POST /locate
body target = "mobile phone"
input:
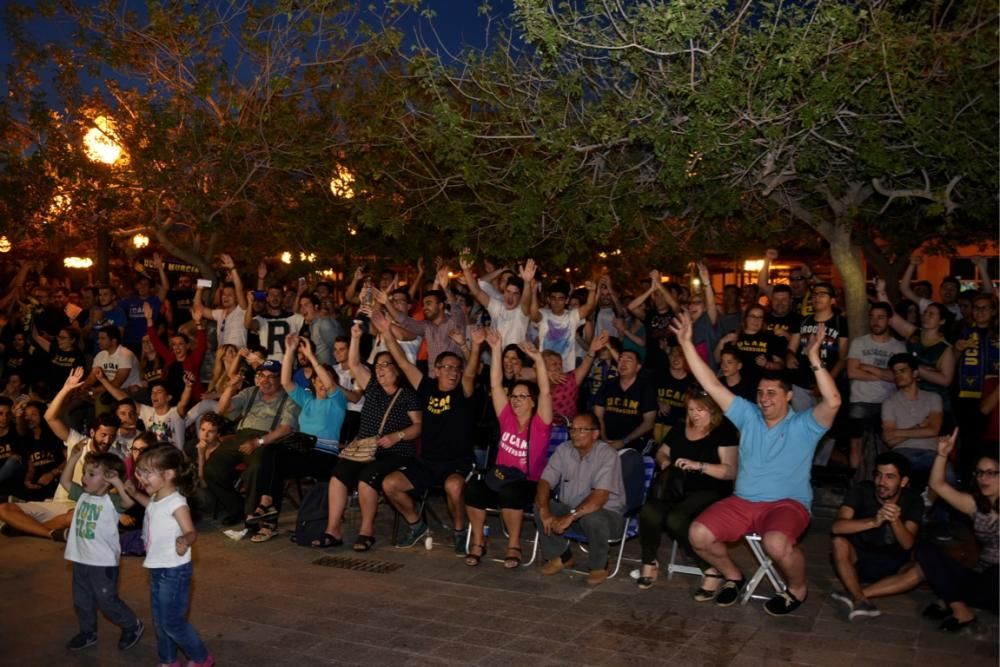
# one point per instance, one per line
(259, 295)
(203, 282)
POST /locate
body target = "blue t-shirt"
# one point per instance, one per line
(113, 316)
(322, 418)
(775, 463)
(135, 327)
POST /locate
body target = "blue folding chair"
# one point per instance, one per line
(637, 474)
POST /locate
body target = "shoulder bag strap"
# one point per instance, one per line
(388, 410)
(277, 415)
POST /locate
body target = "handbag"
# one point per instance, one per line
(362, 450)
(500, 476)
(669, 485)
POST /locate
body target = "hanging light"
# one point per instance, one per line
(5, 244)
(140, 240)
(342, 183)
(753, 265)
(101, 142)
(286, 257)
(78, 262)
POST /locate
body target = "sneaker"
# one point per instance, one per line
(953, 626)
(730, 592)
(417, 532)
(461, 537)
(844, 599)
(864, 609)
(782, 603)
(81, 641)
(207, 662)
(131, 637)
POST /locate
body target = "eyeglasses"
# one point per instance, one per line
(449, 367)
(263, 375)
(581, 429)
(384, 364)
(520, 397)
(986, 473)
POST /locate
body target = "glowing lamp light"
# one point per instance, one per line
(78, 262)
(342, 183)
(286, 257)
(101, 142)
(140, 240)
(696, 283)
(352, 231)
(311, 257)
(5, 244)
(753, 265)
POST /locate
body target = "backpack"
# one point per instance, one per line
(310, 522)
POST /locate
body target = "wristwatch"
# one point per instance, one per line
(260, 442)
(815, 368)
(572, 511)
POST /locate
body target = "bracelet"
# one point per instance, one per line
(401, 435)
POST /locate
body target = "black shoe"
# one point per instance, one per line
(81, 641)
(730, 592)
(232, 520)
(783, 603)
(954, 626)
(936, 612)
(131, 637)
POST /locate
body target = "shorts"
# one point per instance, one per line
(733, 517)
(45, 511)
(874, 566)
(424, 474)
(351, 473)
(863, 417)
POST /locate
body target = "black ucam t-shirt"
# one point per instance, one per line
(704, 450)
(10, 445)
(829, 349)
(446, 432)
(623, 408)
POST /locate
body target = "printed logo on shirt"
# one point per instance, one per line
(437, 405)
(85, 518)
(622, 406)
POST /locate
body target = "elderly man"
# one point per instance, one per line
(587, 475)
(265, 415)
(773, 494)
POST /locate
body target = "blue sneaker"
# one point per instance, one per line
(417, 532)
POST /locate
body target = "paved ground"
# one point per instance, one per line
(270, 605)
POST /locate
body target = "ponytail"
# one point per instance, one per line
(165, 457)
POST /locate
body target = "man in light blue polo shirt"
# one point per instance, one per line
(773, 494)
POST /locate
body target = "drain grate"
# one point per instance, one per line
(358, 564)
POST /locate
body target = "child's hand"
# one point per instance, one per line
(182, 545)
(77, 451)
(129, 487)
(127, 520)
(112, 478)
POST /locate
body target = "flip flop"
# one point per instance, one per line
(364, 543)
(264, 533)
(326, 541)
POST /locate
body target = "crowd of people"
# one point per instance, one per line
(167, 389)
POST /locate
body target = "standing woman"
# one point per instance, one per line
(386, 396)
(759, 348)
(697, 464)
(525, 424)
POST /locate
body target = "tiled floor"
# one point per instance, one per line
(269, 604)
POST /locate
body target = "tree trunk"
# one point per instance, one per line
(846, 258)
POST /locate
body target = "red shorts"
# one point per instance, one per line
(733, 517)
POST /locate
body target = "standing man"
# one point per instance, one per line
(772, 495)
(870, 376)
(509, 315)
(586, 473)
(832, 351)
(557, 324)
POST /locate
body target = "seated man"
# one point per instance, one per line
(446, 456)
(626, 407)
(586, 473)
(265, 415)
(874, 533)
(772, 494)
(911, 419)
(50, 518)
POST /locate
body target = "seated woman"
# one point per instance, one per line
(696, 463)
(759, 348)
(959, 587)
(322, 415)
(392, 413)
(525, 424)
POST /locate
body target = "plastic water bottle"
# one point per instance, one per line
(428, 542)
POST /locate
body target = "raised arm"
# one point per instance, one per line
(496, 370)
(185, 399)
(900, 325)
(161, 271)
(906, 282)
(234, 276)
(596, 346)
(706, 282)
(985, 282)
(53, 415)
(465, 261)
(542, 375)
(196, 305)
(681, 327)
(528, 296)
(590, 304)
(66, 476)
(824, 411)
(359, 371)
(478, 337)
(384, 326)
(415, 285)
(963, 502)
(764, 277)
(39, 339)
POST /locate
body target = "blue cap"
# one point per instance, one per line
(271, 366)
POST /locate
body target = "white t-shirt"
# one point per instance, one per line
(558, 333)
(345, 380)
(73, 438)
(161, 530)
(93, 536)
(873, 353)
(512, 324)
(110, 364)
(168, 427)
(272, 332)
(606, 322)
(230, 327)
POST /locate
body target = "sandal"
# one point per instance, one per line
(703, 594)
(261, 513)
(264, 533)
(645, 583)
(512, 562)
(472, 559)
(364, 543)
(326, 541)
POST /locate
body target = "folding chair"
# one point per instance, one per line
(674, 567)
(765, 569)
(637, 474)
(424, 510)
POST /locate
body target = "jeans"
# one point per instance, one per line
(96, 587)
(171, 588)
(599, 527)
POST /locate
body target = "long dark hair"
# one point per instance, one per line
(983, 503)
(165, 456)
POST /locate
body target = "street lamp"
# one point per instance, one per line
(5, 244)
(101, 142)
(140, 241)
(342, 183)
(78, 262)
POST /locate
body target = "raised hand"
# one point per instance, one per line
(157, 261)
(305, 345)
(147, 311)
(599, 342)
(590, 286)
(291, 341)
(654, 277)
(771, 254)
(494, 338)
(681, 327)
(420, 266)
(815, 342)
(946, 443)
(227, 262)
(703, 274)
(466, 259)
(457, 336)
(529, 349)
(528, 271)
(75, 378)
(380, 321)
(442, 277)
(916, 260)
(478, 335)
